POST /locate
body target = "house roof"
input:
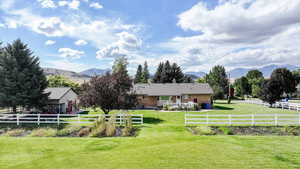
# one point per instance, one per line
(57, 93)
(172, 89)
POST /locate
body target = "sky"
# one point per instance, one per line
(197, 34)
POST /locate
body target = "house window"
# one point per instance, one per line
(195, 100)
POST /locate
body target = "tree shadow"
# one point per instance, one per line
(152, 120)
(222, 107)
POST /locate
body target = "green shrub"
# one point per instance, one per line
(111, 126)
(15, 133)
(204, 130)
(99, 128)
(43, 132)
(226, 130)
(84, 132)
(68, 131)
(166, 107)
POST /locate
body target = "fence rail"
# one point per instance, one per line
(245, 119)
(66, 118)
(282, 105)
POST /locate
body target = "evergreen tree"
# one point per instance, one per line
(177, 74)
(158, 74)
(22, 81)
(145, 74)
(139, 75)
(166, 73)
(120, 65)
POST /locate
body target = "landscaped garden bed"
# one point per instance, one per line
(246, 130)
(102, 128)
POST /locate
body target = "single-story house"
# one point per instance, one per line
(62, 100)
(158, 94)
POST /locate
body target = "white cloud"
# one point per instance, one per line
(74, 4)
(237, 34)
(127, 44)
(47, 3)
(50, 42)
(81, 42)
(70, 53)
(96, 5)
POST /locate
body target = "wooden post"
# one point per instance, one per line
(207, 119)
(39, 119)
(299, 118)
(229, 118)
(18, 119)
(78, 118)
(252, 119)
(58, 119)
(276, 120)
(142, 119)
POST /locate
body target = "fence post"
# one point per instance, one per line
(78, 118)
(299, 118)
(39, 119)
(207, 119)
(18, 119)
(276, 120)
(252, 119)
(229, 118)
(142, 118)
(58, 119)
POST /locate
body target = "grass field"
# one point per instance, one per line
(163, 142)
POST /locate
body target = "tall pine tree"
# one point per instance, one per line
(138, 75)
(145, 74)
(158, 74)
(22, 81)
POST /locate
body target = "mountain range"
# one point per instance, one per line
(266, 70)
(83, 76)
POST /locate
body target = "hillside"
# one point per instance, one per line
(76, 77)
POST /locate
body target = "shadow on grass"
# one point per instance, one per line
(222, 107)
(31, 126)
(152, 120)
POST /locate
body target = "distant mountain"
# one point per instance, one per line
(266, 70)
(79, 78)
(94, 72)
(195, 75)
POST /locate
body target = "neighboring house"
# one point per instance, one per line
(62, 100)
(157, 94)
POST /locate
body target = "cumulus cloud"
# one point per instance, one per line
(81, 42)
(96, 5)
(74, 4)
(238, 34)
(70, 53)
(127, 44)
(50, 42)
(47, 3)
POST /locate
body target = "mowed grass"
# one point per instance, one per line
(163, 142)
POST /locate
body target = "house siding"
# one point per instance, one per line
(201, 98)
(152, 101)
(147, 101)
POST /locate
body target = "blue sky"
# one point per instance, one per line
(80, 34)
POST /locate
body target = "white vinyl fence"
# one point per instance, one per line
(244, 120)
(65, 118)
(282, 105)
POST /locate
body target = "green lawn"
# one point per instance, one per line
(163, 142)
